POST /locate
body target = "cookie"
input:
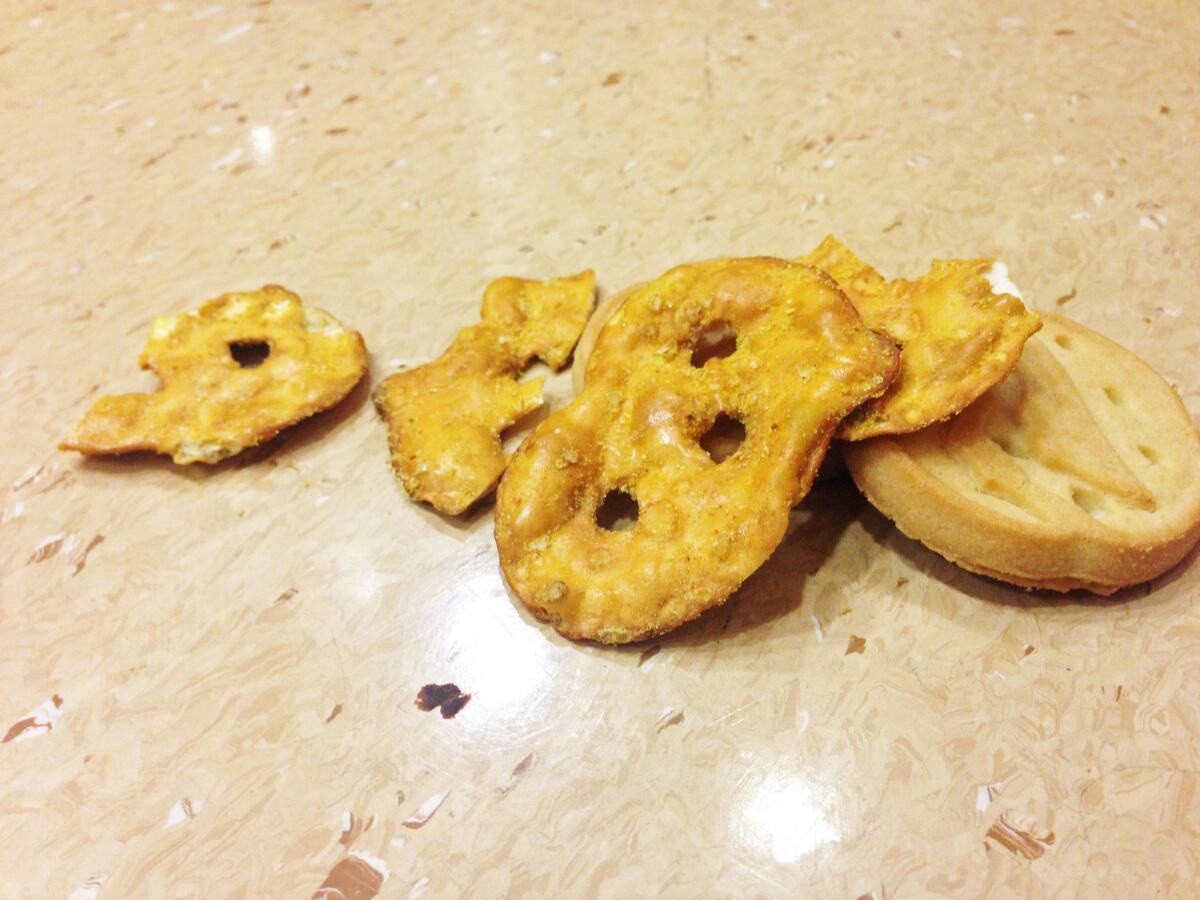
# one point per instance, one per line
(591, 332)
(1081, 470)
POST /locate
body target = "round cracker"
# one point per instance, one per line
(591, 332)
(1080, 471)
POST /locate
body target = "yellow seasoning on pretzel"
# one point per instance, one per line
(445, 418)
(234, 373)
(960, 327)
(621, 516)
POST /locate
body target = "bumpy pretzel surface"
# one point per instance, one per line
(445, 418)
(234, 373)
(765, 347)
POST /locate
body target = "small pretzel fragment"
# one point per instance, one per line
(234, 374)
(960, 327)
(617, 519)
(445, 418)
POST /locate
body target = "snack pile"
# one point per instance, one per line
(1060, 462)
(706, 402)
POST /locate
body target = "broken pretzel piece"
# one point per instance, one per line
(445, 418)
(960, 328)
(234, 373)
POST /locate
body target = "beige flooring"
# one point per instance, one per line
(216, 668)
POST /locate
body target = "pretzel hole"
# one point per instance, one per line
(1149, 452)
(723, 438)
(618, 511)
(1063, 341)
(249, 354)
(1089, 501)
(1113, 395)
(717, 341)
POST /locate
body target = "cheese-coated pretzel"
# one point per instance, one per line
(234, 373)
(773, 349)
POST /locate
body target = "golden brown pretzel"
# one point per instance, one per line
(445, 418)
(213, 404)
(960, 329)
(799, 361)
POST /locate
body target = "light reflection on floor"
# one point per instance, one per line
(491, 653)
(787, 817)
(262, 143)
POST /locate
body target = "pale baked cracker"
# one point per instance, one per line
(1080, 470)
(591, 333)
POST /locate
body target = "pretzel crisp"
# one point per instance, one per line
(234, 373)
(770, 346)
(445, 418)
(961, 328)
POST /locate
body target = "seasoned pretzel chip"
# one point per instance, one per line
(960, 328)
(1080, 470)
(234, 373)
(762, 350)
(445, 418)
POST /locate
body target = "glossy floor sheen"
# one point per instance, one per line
(208, 675)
